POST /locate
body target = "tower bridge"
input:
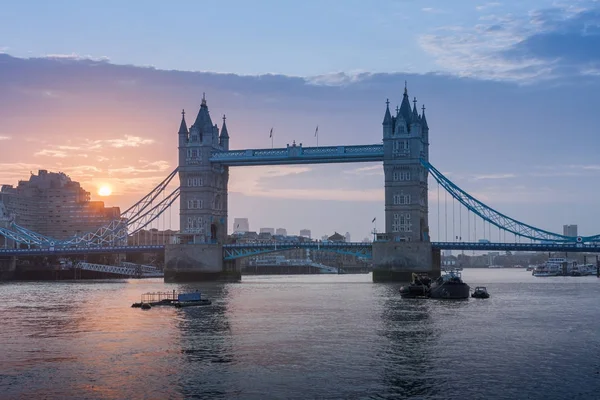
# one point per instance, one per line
(204, 159)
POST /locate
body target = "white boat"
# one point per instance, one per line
(555, 267)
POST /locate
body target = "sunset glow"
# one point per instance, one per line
(104, 190)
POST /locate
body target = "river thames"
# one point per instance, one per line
(302, 337)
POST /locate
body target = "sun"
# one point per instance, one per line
(104, 190)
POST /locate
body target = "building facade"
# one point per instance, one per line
(55, 206)
(570, 230)
(305, 233)
(241, 225)
(281, 231)
(405, 142)
(203, 185)
(267, 230)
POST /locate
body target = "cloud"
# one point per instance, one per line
(338, 78)
(545, 44)
(432, 10)
(127, 141)
(153, 167)
(493, 176)
(258, 182)
(87, 145)
(370, 170)
(51, 153)
(284, 170)
(13, 172)
(5, 137)
(76, 57)
(487, 6)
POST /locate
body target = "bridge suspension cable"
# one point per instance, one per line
(496, 218)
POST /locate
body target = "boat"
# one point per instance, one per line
(193, 303)
(480, 293)
(174, 299)
(555, 266)
(419, 287)
(449, 286)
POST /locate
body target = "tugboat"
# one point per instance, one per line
(449, 286)
(419, 287)
(480, 293)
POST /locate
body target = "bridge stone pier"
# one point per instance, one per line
(405, 246)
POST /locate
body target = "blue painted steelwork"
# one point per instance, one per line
(554, 247)
(498, 219)
(49, 251)
(296, 154)
(22, 235)
(234, 251)
(364, 250)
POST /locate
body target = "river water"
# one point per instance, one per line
(302, 337)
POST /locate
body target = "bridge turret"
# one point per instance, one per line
(183, 136)
(183, 130)
(224, 138)
(404, 110)
(388, 123)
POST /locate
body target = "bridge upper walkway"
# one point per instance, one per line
(296, 154)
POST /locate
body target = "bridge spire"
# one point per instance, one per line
(387, 119)
(183, 130)
(203, 119)
(224, 138)
(423, 119)
(405, 110)
(414, 111)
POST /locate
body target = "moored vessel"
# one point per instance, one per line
(449, 286)
(419, 287)
(480, 293)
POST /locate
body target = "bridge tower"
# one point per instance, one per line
(202, 202)
(405, 246)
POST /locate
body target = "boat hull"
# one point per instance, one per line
(450, 291)
(414, 291)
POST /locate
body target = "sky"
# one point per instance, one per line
(511, 91)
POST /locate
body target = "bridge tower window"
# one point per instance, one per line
(401, 199)
(401, 223)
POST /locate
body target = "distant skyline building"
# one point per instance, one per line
(305, 233)
(570, 230)
(267, 230)
(53, 205)
(281, 231)
(348, 237)
(241, 225)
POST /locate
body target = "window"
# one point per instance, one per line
(401, 176)
(401, 223)
(401, 199)
(193, 182)
(400, 147)
(193, 156)
(194, 204)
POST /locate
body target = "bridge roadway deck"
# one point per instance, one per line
(58, 251)
(247, 249)
(296, 154)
